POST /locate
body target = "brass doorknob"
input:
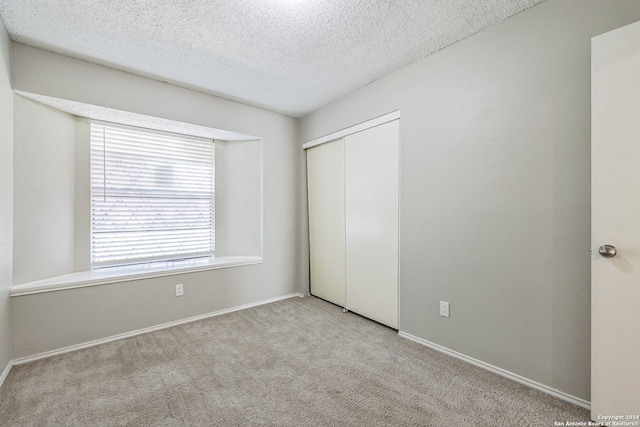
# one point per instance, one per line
(607, 251)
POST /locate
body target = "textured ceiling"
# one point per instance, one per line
(284, 55)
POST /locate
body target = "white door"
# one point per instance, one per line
(371, 161)
(615, 216)
(325, 183)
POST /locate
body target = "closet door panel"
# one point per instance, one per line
(326, 196)
(371, 159)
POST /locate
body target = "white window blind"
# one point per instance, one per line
(152, 196)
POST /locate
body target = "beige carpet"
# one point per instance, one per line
(297, 362)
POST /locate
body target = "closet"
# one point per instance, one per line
(352, 186)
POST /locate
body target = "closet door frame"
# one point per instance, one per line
(389, 117)
(394, 115)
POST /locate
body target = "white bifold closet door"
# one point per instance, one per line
(353, 221)
(371, 178)
(325, 183)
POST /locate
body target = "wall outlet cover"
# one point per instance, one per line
(444, 309)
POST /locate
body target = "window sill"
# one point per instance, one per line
(124, 274)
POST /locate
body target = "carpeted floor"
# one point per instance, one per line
(297, 362)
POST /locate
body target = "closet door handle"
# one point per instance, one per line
(607, 251)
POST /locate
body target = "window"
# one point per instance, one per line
(152, 196)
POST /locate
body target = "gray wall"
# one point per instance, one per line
(495, 191)
(44, 200)
(6, 197)
(53, 320)
(238, 198)
(82, 197)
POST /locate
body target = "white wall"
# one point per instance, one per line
(44, 200)
(495, 195)
(53, 320)
(6, 197)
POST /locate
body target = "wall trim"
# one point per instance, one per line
(522, 380)
(353, 129)
(5, 373)
(44, 355)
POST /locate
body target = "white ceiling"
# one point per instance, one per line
(284, 55)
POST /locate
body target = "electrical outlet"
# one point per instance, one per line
(179, 290)
(444, 309)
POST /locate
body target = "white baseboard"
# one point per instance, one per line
(4, 374)
(546, 389)
(27, 359)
